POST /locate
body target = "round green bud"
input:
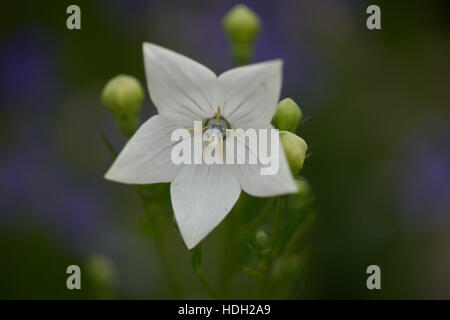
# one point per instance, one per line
(295, 150)
(288, 115)
(241, 25)
(261, 239)
(101, 269)
(123, 95)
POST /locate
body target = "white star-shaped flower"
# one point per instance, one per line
(184, 91)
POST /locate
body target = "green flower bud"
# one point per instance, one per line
(102, 272)
(241, 25)
(295, 150)
(288, 115)
(123, 95)
(261, 239)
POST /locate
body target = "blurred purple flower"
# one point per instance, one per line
(424, 176)
(36, 189)
(28, 70)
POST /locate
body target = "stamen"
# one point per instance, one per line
(218, 115)
(200, 129)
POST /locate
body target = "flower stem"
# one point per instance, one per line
(277, 218)
(264, 282)
(260, 218)
(155, 214)
(224, 276)
(169, 274)
(206, 283)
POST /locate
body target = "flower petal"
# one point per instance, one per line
(179, 87)
(202, 195)
(249, 95)
(256, 184)
(146, 157)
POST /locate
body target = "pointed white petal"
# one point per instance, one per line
(202, 195)
(146, 157)
(249, 95)
(179, 87)
(256, 184)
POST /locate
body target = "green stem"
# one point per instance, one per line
(260, 219)
(206, 283)
(224, 281)
(157, 236)
(169, 274)
(229, 249)
(264, 282)
(158, 239)
(299, 234)
(277, 219)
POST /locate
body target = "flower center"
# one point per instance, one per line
(217, 123)
(220, 125)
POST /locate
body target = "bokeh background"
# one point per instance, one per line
(378, 131)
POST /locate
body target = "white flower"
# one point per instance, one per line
(184, 91)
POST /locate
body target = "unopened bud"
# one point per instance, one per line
(261, 239)
(288, 115)
(241, 25)
(102, 272)
(295, 149)
(123, 95)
